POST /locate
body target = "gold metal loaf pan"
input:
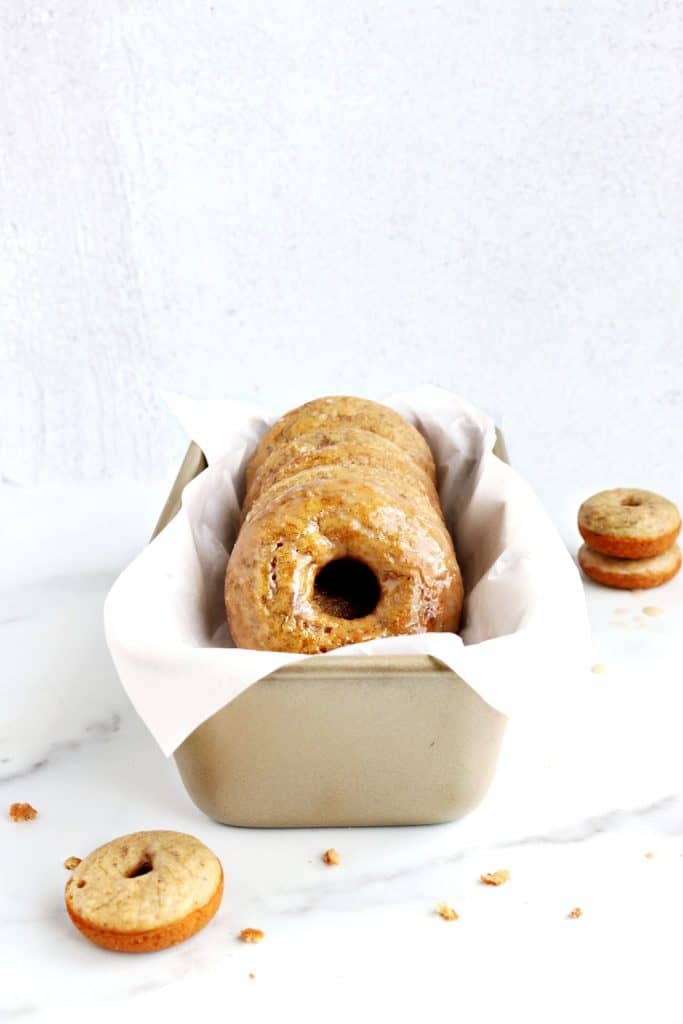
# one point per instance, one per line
(398, 740)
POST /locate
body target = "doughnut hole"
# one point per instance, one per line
(346, 588)
(143, 867)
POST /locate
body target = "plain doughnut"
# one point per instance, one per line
(145, 891)
(630, 573)
(629, 523)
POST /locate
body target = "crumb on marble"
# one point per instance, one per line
(251, 974)
(331, 857)
(575, 912)
(652, 610)
(495, 877)
(650, 855)
(599, 670)
(621, 611)
(251, 935)
(22, 812)
(446, 912)
(72, 862)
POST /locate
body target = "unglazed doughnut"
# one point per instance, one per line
(325, 413)
(629, 523)
(338, 561)
(341, 446)
(145, 891)
(630, 573)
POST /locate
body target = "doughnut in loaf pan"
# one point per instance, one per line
(366, 740)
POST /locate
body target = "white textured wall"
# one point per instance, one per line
(279, 199)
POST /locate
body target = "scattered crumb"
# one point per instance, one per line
(652, 610)
(496, 877)
(22, 812)
(620, 624)
(576, 912)
(599, 670)
(446, 912)
(251, 935)
(72, 862)
(331, 857)
(251, 975)
(621, 611)
(650, 855)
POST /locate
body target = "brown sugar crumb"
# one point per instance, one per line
(496, 877)
(72, 862)
(650, 855)
(22, 812)
(599, 669)
(331, 857)
(251, 975)
(652, 610)
(575, 912)
(251, 935)
(446, 912)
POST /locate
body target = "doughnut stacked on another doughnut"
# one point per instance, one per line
(341, 445)
(343, 538)
(629, 538)
(338, 411)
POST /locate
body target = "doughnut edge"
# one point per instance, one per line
(151, 940)
(629, 547)
(630, 581)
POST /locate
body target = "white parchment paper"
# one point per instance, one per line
(525, 632)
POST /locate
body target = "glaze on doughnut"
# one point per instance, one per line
(407, 488)
(337, 561)
(343, 410)
(629, 523)
(342, 447)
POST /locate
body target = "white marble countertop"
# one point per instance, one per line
(576, 805)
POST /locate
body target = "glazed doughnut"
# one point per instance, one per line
(145, 891)
(337, 561)
(408, 488)
(630, 573)
(342, 410)
(342, 446)
(629, 523)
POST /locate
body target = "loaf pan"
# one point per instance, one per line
(359, 740)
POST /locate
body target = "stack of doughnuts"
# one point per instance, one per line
(342, 536)
(629, 538)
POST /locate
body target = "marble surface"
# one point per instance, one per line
(579, 799)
